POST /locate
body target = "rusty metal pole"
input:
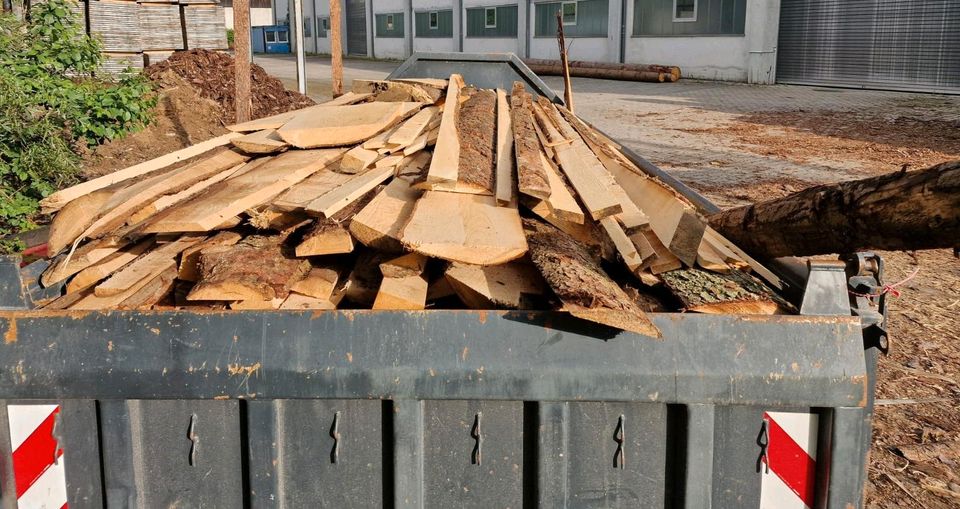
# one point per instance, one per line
(567, 86)
(336, 49)
(241, 53)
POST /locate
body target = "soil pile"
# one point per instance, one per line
(212, 74)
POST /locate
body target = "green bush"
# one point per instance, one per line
(51, 104)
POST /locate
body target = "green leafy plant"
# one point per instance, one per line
(51, 104)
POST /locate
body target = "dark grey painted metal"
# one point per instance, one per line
(486, 70)
(150, 460)
(343, 354)
(77, 432)
(699, 452)
(825, 292)
(356, 27)
(885, 44)
(408, 452)
(12, 293)
(8, 492)
(654, 18)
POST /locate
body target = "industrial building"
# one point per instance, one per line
(888, 44)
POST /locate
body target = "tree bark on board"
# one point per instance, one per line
(901, 211)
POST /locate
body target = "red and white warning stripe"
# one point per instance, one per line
(38, 469)
(788, 476)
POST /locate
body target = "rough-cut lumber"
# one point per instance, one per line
(330, 235)
(343, 125)
(401, 293)
(710, 259)
(397, 91)
(495, 286)
(110, 264)
(74, 218)
(266, 141)
(436, 83)
(531, 174)
(464, 228)
(904, 210)
(358, 159)
(277, 121)
(662, 260)
(410, 130)
(335, 200)
(587, 233)
(86, 255)
(379, 141)
(410, 264)
(300, 195)
(153, 292)
(256, 269)
(624, 246)
(446, 154)
(190, 258)
(233, 196)
(505, 183)
(319, 283)
(167, 201)
(561, 201)
(58, 199)
(363, 283)
(176, 182)
(582, 286)
(380, 223)
(603, 70)
(146, 266)
(389, 161)
(734, 292)
(476, 129)
(413, 168)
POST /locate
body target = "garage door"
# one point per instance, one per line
(884, 44)
(357, 27)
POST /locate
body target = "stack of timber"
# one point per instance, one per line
(608, 71)
(414, 194)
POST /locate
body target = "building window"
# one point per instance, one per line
(434, 20)
(308, 27)
(326, 23)
(282, 36)
(490, 17)
(271, 37)
(569, 10)
(684, 10)
(389, 21)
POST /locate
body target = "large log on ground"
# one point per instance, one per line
(604, 70)
(902, 211)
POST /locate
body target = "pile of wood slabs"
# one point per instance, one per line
(413, 194)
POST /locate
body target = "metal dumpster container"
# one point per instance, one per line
(437, 408)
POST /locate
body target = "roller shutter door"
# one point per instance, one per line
(884, 44)
(357, 27)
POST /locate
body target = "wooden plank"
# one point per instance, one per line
(298, 301)
(277, 121)
(709, 259)
(397, 91)
(337, 126)
(505, 181)
(732, 293)
(414, 167)
(464, 228)
(74, 218)
(153, 292)
(300, 195)
(561, 201)
(582, 286)
(266, 141)
(175, 183)
(164, 202)
(446, 155)
(410, 264)
(531, 175)
(439, 84)
(380, 223)
(257, 304)
(235, 195)
(662, 260)
(389, 161)
(628, 252)
(257, 269)
(358, 159)
(587, 233)
(60, 198)
(380, 140)
(476, 132)
(319, 283)
(335, 200)
(330, 235)
(757, 267)
(86, 255)
(91, 275)
(401, 293)
(146, 266)
(408, 132)
(190, 258)
(495, 286)
(363, 283)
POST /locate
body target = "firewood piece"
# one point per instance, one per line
(496, 286)
(410, 130)
(401, 293)
(663, 260)
(446, 155)
(624, 246)
(505, 182)
(586, 233)
(266, 141)
(380, 223)
(60, 198)
(904, 210)
(153, 292)
(256, 269)
(319, 283)
(582, 286)
(269, 218)
(440, 288)
(233, 196)
(352, 190)
(146, 266)
(464, 228)
(330, 235)
(358, 159)
(337, 126)
(363, 283)
(531, 175)
(91, 275)
(300, 195)
(74, 218)
(732, 293)
(410, 264)
(190, 258)
(396, 91)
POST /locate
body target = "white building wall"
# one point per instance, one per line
(495, 44)
(724, 58)
(260, 16)
(435, 44)
(389, 47)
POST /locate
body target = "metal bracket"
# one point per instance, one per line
(826, 290)
(868, 300)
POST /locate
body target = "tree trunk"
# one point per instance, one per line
(902, 211)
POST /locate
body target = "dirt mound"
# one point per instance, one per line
(211, 73)
(182, 118)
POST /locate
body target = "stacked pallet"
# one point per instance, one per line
(406, 194)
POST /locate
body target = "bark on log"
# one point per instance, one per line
(901, 211)
(603, 70)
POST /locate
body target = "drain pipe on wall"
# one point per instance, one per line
(409, 28)
(623, 31)
(530, 20)
(461, 19)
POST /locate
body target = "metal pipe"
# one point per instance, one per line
(301, 55)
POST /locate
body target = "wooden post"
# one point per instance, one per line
(241, 53)
(567, 87)
(301, 51)
(336, 49)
